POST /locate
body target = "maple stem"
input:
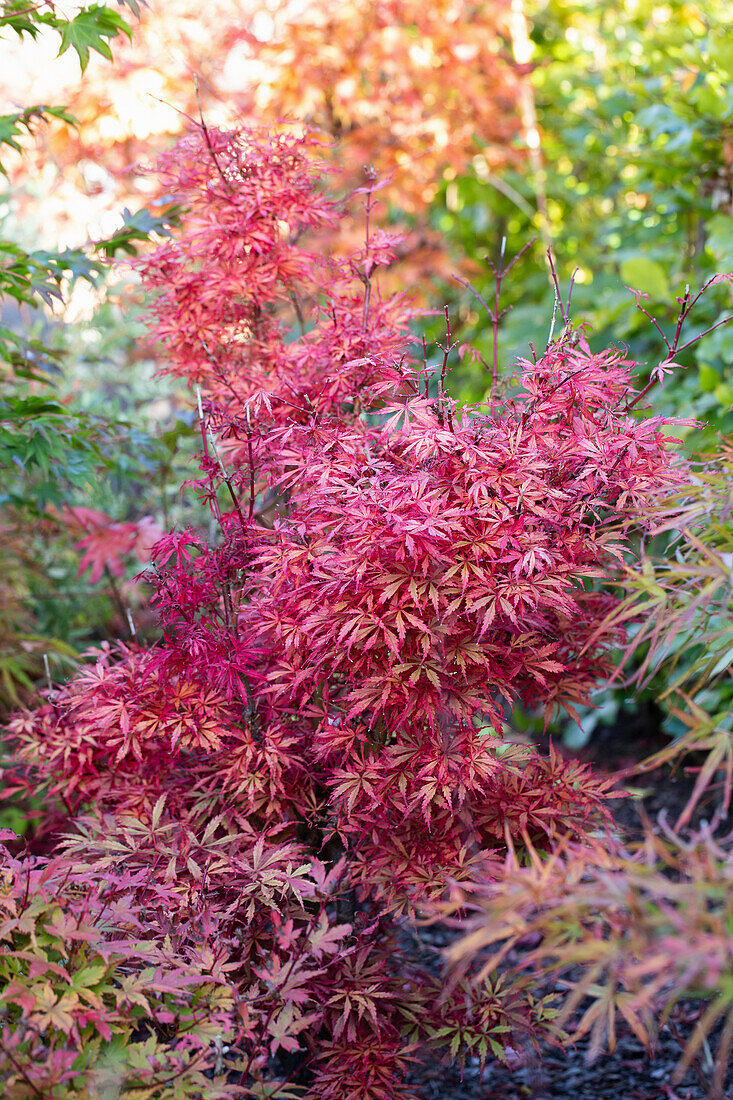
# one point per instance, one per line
(674, 348)
(684, 310)
(446, 352)
(425, 368)
(116, 595)
(251, 712)
(447, 349)
(723, 321)
(251, 478)
(27, 887)
(26, 11)
(367, 299)
(207, 139)
(558, 296)
(202, 422)
(495, 321)
(367, 276)
(228, 609)
(19, 1069)
(570, 291)
(235, 502)
(640, 394)
(495, 315)
(205, 435)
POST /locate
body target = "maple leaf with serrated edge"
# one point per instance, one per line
(92, 29)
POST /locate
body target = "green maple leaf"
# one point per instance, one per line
(12, 126)
(89, 30)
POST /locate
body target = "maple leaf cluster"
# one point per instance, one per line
(86, 994)
(106, 543)
(630, 934)
(314, 750)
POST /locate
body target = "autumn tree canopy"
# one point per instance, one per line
(413, 90)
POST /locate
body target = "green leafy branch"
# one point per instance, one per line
(93, 28)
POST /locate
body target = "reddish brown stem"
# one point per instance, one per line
(446, 352)
(367, 277)
(556, 285)
(495, 315)
(674, 348)
(207, 137)
(251, 478)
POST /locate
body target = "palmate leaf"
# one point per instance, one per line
(137, 227)
(20, 409)
(13, 125)
(28, 276)
(24, 18)
(29, 359)
(92, 29)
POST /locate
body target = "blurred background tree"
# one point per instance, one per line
(409, 90)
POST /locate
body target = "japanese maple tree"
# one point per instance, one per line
(314, 750)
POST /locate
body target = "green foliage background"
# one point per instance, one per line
(635, 110)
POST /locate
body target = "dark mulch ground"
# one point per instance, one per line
(629, 1073)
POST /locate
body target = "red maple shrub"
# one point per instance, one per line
(313, 751)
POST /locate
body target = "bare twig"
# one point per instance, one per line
(495, 315)
(207, 137)
(556, 286)
(446, 349)
(570, 290)
(207, 437)
(425, 368)
(673, 346)
(367, 275)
